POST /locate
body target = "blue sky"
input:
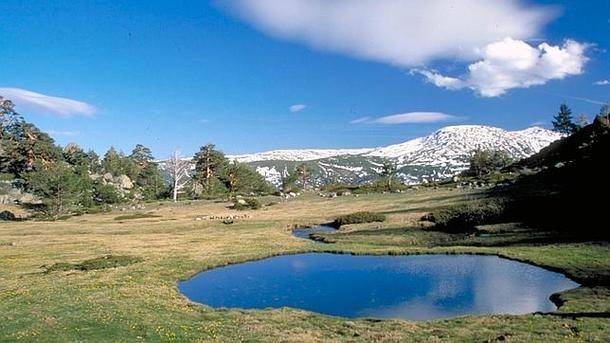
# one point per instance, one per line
(259, 75)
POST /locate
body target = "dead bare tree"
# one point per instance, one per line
(179, 173)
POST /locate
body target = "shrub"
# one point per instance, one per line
(104, 262)
(464, 218)
(246, 204)
(483, 162)
(137, 215)
(359, 218)
(7, 215)
(106, 194)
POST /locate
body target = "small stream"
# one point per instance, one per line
(308, 231)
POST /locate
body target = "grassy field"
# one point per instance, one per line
(140, 301)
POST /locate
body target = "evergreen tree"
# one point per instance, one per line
(388, 173)
(105, 193)
(94, 162)
(562, 121)
(149, 177)
(302, 171)
(61, 189)
(604, 112)
(240, 178)
(210, 168)
(74, 155)
(288, 180)
(112, 162)
(8, 115)
(141, 155)
(582, 121)
(486, 161)
(24, 146)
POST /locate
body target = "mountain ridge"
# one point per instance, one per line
(442, 154)
(310, 154)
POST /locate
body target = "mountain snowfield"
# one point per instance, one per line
(296, 155)
(442, 154)
(453, 144)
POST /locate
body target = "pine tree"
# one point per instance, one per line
(486, 161)
(8, 115)
(141, 155)
(604, 112)
(562, 121)
(388, 172)
(94, 161)
(74, 155)
(112, 161)
(210, 167)
(25, 147)
(582, 121)
(302, 171)
(60, 188)
(240, 178)
(148, 175)
(288, 180)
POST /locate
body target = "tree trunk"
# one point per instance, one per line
(175, 172)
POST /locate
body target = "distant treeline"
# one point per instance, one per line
(70, 180)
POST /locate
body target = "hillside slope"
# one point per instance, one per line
(565, 185)
(440, 155)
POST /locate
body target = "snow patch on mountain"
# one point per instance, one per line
(451, 146)
(270, 174)
(440, 155)
(296, 155)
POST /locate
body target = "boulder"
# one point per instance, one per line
(27, 198)
(7, 215)
(107, 177)
(123, 182)
(6, 199)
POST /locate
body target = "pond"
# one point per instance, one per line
(307, 231)
(418, 287)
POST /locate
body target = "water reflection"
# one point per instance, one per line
(412, 287)
(307, 231)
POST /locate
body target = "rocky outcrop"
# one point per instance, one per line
(10, 194)
(123, 182)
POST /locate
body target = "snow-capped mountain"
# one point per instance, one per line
(442, 154)
(296, 155)
(452, 144)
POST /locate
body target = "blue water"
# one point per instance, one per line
(412, 287)
(306, 232)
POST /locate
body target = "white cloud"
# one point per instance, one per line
(360, 120)
(398, 32)
(408, 118)
(511, 63)
(411, 34)
(32, 101)
(297, 108)
(602, 83)
(539, 123)
(62, 133)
